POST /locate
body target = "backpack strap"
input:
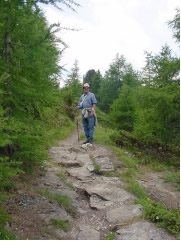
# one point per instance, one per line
(84, 99)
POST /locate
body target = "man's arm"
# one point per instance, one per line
(93, 107)
(77, 107)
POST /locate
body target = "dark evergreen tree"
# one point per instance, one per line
(89, 77)
(175, 25)
(96, 82)
(161, 69)
(118, 73)
(73, 82)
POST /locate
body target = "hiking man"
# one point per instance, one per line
(87, 103)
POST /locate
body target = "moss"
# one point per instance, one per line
(58, 223)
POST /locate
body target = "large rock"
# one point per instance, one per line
(99, 204)
(84, 158)
(70, 163)
(109, 192)
(55, 212)
(104, 163)
(81, 173)
(51, 179)
(159, 190)
(143, 230)
(90, 167)
(85, 171)
(123, 213)
(89, 234)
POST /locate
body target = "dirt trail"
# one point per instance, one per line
(98, 204)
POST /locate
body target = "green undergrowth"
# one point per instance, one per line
(62, 200)
(63, 178)
(127, 157)
(155, 211)
(109, 174)
(58, 223)
(173, 178)
(4, 218)
(59, 198)
(97, 167)
(111, 236)
(31, 155)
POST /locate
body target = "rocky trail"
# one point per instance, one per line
(73, 188)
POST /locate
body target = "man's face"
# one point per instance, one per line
(86, 90)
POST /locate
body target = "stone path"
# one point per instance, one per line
(102, 203)
(99, 204)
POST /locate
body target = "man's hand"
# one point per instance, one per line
(91, 114)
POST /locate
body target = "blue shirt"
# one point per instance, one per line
(89, 100)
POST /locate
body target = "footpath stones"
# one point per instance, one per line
(159, 190)
(79, 173)
(99, 204)
(109, 192)
(105, 164)
(143, 230)
(56, 212)
(124, 213)
(89, 234)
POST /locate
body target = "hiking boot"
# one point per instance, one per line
(89, 144)
(85, 142)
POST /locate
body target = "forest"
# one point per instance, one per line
(142, 107)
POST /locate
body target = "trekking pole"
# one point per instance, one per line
(78, 129)
(77, 124)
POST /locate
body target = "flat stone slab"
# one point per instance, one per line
(80, 173)
(76, 150)
(99, 204)
(123, 213)
(90, 167)
(159, 190)
(70, 163)
(51, 179)
(89, 234)
(104, 163)
(109, 192)
(143, 230)
(56, 212)
(84, 158)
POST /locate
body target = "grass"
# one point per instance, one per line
(102, 135)
(58, 223)
(155, 211)
(173, 178)
(111, 236)
(4, 218)
(109, 174)
(44, 230)
(59, 198)
(62, 200)
(97, 167)
(63, 178)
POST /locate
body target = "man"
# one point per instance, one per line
(87, 103)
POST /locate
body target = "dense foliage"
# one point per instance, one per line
(32, 113)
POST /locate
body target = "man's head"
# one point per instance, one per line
(86, 88)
